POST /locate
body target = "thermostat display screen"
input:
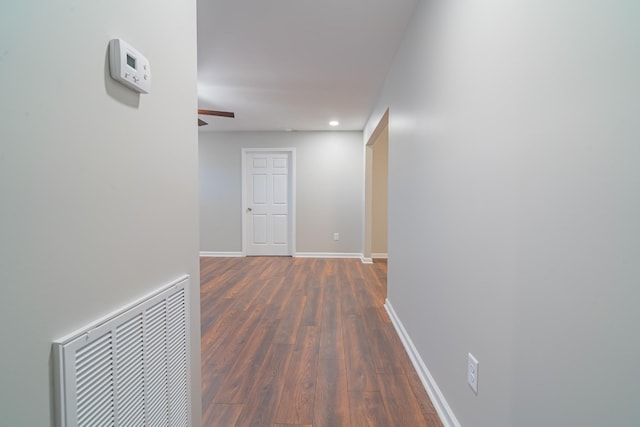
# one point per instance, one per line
(131, 61)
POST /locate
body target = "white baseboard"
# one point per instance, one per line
(221, 254)
(364, 260)
(326, 255)
(447, 416)
(380, 256)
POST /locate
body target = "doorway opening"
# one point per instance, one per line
(377, 191)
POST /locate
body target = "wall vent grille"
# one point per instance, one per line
(130, 368)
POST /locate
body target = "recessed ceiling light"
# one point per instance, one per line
(334, 123)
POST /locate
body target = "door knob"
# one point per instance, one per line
(248, 209)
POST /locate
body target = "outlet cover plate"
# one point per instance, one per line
(472, 373)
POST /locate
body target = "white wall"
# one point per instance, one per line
(98, 185)
(514, 204)
(329, 188)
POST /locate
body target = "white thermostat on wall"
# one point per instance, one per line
(128, 66)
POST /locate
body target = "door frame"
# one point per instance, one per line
(291, 196)
(382, 126)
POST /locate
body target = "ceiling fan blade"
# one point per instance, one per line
(202, 122)
(217, 113)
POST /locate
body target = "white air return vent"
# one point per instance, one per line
(130, 368)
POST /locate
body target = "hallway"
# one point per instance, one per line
(303, 342)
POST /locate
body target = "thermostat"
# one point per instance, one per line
(128, 66)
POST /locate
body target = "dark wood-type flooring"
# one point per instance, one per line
(303, 342)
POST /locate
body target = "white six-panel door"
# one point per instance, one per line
(268, 202)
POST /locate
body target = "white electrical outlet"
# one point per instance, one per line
(472, 373)
(336, 236)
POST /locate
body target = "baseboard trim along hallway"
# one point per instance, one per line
(346, 255)
(209, 254)
(445, 412)
(326, 255)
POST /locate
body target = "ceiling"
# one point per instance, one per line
(295, 64)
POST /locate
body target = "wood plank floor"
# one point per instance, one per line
(297, 342)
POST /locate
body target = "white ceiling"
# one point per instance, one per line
(295, 64)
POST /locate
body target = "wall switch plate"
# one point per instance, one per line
(336, 236)
(472, 373)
